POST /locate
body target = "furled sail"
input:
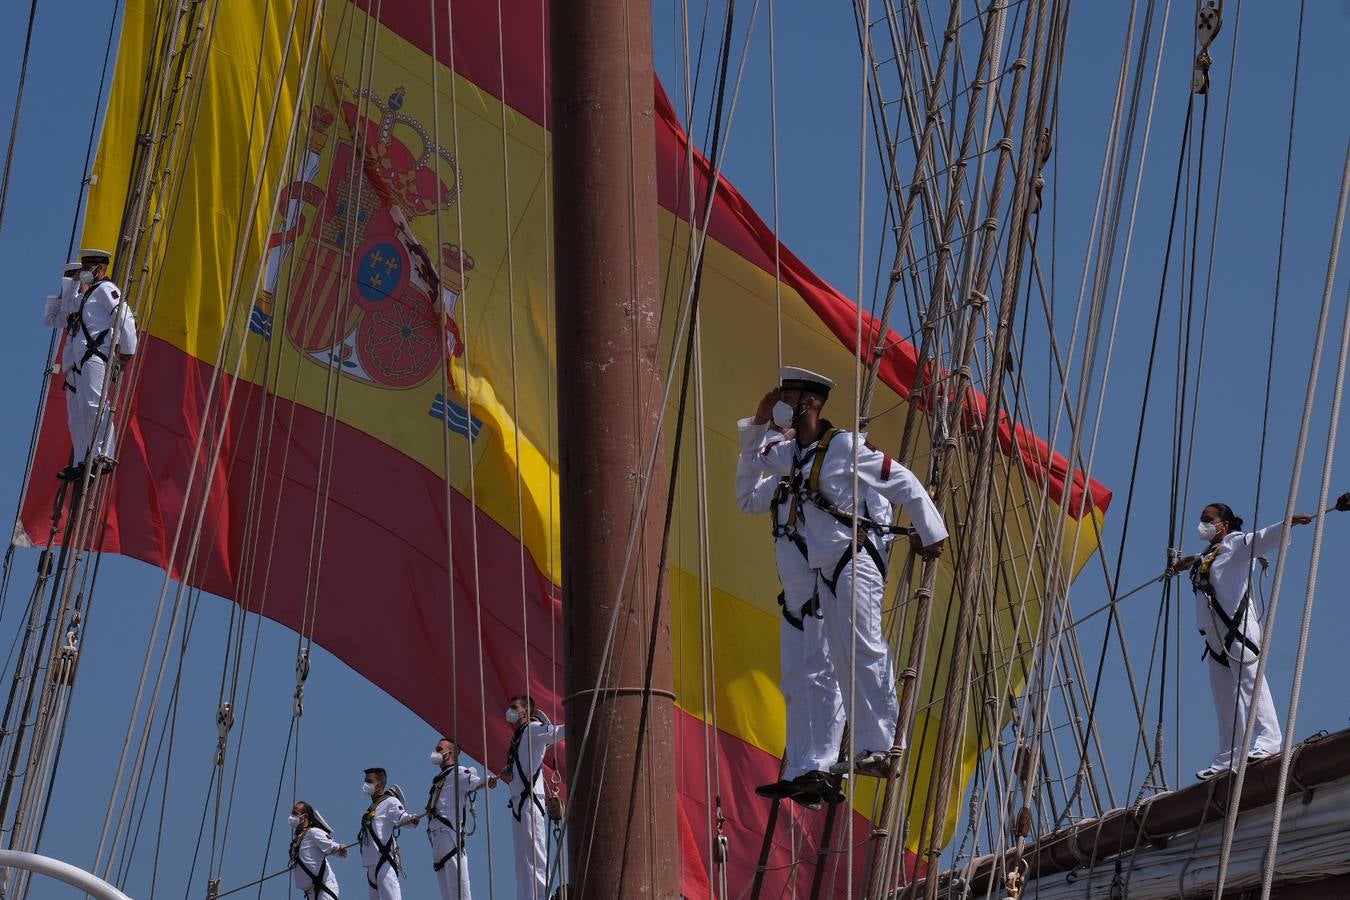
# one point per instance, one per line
(343, 402)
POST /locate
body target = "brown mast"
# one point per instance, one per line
(621, 826)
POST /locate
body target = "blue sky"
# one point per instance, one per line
(349, 724)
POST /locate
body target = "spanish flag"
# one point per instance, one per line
(344, 397)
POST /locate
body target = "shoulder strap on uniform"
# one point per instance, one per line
(813, 479)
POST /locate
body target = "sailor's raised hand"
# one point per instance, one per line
(764, 413)
(1300, 519)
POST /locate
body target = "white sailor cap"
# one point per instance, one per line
(796, 378)
(71, 268)
(95, 257)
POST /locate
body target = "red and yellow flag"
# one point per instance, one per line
(307, 438)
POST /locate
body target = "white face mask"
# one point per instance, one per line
(782, 415)
(1207, 530)
(513, 716)
(367, 787)
(293, 821)
(86, 277)
(437, 760)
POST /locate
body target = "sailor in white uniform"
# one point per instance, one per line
(524, 768)
(379, 836)
(815, 705)
(447, 805)
(57, 314)
(1221, 580)
(99, 319)
(310, 848)
(822, 462)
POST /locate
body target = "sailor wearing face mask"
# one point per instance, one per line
(310, 848)
(826, 465)
(815, 706)
(99, 319)
(447, 805)
(379, 835)
(1221, 580)
(534, 734)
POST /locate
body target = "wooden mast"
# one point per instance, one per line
(619, 704)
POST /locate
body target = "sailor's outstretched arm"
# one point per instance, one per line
(900, 486)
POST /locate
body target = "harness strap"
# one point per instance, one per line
(316, 878)
(864, 543)
(809, 489)
(439, 864)
(388, 849)
(1200, 580)
(527, 781)
(92, 342)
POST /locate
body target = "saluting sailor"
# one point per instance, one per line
(525, 761)
(1221, 580)
(822, 462)
(310, 848)
(59, 306)
(99, 323)
(379, 835)
(447, 804)
(815, 705)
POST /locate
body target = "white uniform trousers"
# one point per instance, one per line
(530, 832)
(82, 411)
(815, 708)
(861, 656)
(384, 886)
(453, 877)
(1237, 697)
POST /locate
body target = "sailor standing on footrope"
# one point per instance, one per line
(815, 705)
(447, 804)
(822, 462)
(524, 764)
(310, 848)
(99, 319)
(1221, 580)
(379, 836)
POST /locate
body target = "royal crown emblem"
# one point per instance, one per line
(364, 294)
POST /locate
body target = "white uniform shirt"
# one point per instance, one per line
(389, 814)
(314, 847)
(452, 799)
(536, 740)
(102, 310)
(755, 490)
(1230, 571)
(827, 537)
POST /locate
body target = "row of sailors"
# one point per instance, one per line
(91, 310)
(805, 473)
(449, 803)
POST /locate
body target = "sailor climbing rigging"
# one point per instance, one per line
(97, 323)
(310, 848)
(1221, 580)
(447, 805)
(534, 734)
(379, 835)
(825, 464)
(815, 706)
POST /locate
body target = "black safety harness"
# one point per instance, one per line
(316, 878)
(1232, 625)
(527, 781)
(805, 488)
(388, 849)
(782, 494)
(93, 343)
(433, 812)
